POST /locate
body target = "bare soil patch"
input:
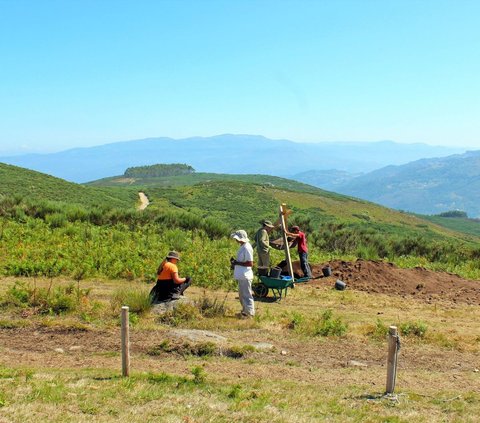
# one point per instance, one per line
(386, 278)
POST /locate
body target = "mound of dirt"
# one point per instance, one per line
(386, 278)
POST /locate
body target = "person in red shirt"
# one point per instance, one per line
(300, 240)
(169, 285)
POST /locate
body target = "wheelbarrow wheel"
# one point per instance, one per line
(260, 290)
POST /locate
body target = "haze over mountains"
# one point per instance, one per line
(427, 186)
(413, 177)
(226, 154)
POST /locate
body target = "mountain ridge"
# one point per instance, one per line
(426, 186)
(227, 153)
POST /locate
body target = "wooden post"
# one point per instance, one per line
(393, 346)
(125, 343)
(283, 214)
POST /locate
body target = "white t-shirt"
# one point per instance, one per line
(244, 253)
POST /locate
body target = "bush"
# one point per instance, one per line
(378, 332)
(182, 313)
(209, 307)
(417, 329)
(294, 320)
(45, 300)
(137, 299)
(329, 326)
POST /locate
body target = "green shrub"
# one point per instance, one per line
(17, 295)
(417, 329)
(238, 351)
(44, 300)
(56, 220)
(209, 307)
(294, 320)
(137, 299)
(199, 375)
(181, 314)
(327, 325)
(380, 331)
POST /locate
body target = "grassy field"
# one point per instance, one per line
(318, 355)
(465, 225)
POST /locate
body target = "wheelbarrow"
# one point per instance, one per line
(279, 286)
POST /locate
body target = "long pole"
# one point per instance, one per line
(283, 213)
(393, 346)
(125, 343)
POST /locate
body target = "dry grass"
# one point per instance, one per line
(304, 377)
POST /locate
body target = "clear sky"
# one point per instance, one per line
(88, 72)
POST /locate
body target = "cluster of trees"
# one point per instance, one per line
(159, 170)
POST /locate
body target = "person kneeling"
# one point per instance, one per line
(169, 285)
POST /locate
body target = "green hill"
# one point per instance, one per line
(28, 184)
(94, 228)
(241, 200)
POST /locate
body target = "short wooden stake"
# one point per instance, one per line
(125, 343)
(393, 346)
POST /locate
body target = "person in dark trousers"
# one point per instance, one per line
(262, 243)
(169, 285)
(300, 240)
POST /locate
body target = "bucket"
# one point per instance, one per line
(340, 285)
(262, 271)
(327, 271)
(275, 272)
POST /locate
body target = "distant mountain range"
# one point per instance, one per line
(426, 186)
(239, 154)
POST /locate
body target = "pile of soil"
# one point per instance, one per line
(386, 278)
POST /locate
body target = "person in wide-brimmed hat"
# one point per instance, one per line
(261, 242)
(169, 285)
(242, 272)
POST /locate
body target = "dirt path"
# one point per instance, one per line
(144, 202)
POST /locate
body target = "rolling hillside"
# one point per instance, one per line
(32, 185)
(427, 186)
(195, 213)
(241, 200)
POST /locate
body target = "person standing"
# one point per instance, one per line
(243, 272)
(262, 243)
(300, 240)
(169, 285)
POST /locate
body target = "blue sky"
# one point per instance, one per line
(82, 73)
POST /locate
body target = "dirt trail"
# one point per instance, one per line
(386, 278)
(144, 201)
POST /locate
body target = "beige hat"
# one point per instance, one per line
(267, 223)
(174, 255)
(240, 235)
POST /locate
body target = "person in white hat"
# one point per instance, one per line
(243, 273)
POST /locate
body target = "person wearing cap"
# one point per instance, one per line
(262, 243)
(300, 240)
(169, 285)
(242, 272)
